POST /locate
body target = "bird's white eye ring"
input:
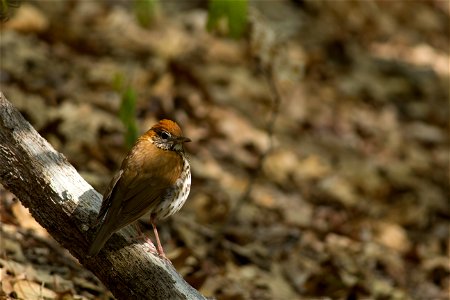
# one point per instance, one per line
(164, 135)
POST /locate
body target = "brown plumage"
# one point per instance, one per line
(154, 178)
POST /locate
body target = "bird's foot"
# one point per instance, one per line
(148, 244)
(150, 247)
(164, 257)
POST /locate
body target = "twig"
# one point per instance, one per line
(276, 102)
(268, 74)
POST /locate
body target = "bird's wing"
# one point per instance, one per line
(106, 203)
(145, 176)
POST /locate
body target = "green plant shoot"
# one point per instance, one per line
(234, 12)
(145, 11)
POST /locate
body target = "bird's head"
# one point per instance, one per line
(167, 135)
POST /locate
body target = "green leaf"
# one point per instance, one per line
(118, 82)
(234, 12)
(145, 11)
(127, 115)
(5, 11)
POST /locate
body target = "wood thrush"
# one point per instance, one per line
(154, 178)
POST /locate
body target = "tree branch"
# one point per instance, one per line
(63, 203)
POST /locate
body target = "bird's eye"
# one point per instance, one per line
(164, 135)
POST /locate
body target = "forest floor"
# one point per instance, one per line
(347, 197)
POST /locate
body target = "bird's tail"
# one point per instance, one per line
(101, 237)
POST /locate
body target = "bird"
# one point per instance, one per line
(154, 177)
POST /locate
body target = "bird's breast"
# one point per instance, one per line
(176, 195)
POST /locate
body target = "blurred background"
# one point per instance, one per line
(320, 151)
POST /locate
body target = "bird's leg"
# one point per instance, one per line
(155, 231)
(145, 238)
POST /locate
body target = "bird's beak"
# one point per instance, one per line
(182, 139)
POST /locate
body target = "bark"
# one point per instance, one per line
(66, 205)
